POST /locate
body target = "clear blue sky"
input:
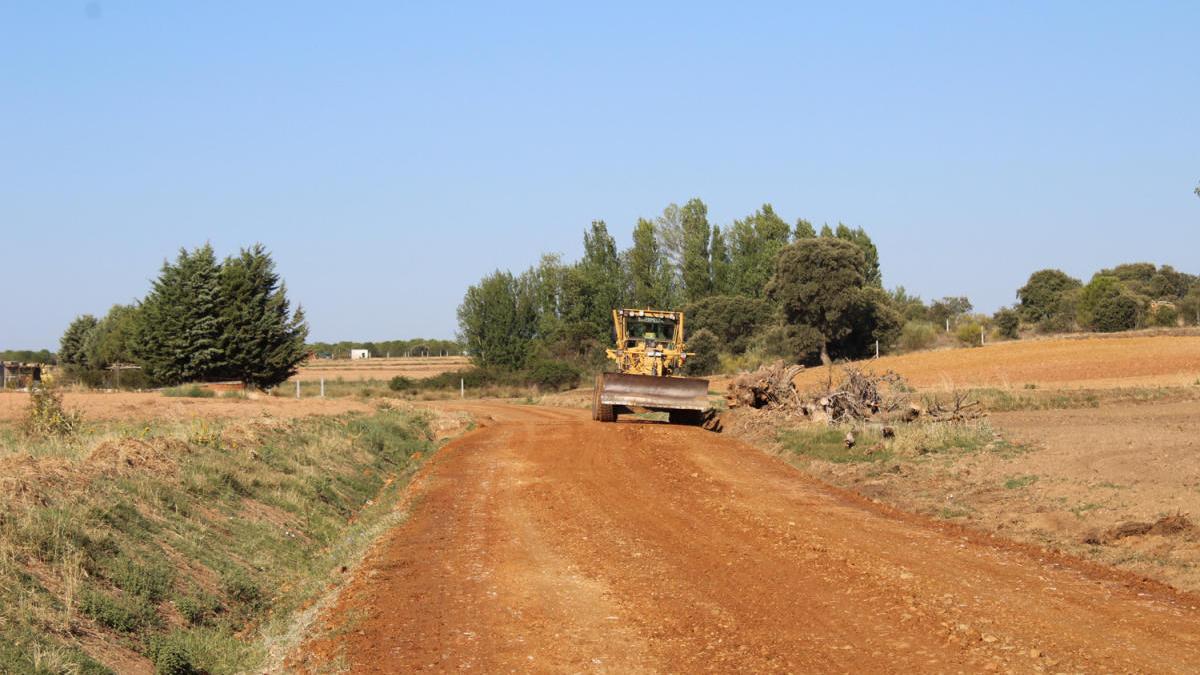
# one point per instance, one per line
(389, 154)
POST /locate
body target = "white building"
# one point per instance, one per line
(360, 354)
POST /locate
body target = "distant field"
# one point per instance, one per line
(1092, 362)
(416, 367)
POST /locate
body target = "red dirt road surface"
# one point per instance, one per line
(544, 541)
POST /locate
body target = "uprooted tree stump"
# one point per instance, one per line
(860, 396)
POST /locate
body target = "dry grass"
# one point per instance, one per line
(130, 543)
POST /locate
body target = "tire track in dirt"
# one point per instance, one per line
(545, 541)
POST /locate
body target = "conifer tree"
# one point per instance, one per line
(262, 340)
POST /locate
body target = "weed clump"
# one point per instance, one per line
(48, 418)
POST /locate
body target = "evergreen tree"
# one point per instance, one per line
(826, 231)
(262, 340)
(804, 230)
(72, 346)
(697, 277)
(179, 329)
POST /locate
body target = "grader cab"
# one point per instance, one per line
(649, 354)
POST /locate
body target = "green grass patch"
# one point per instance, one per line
(188, 391)
(829, 444)
(1018, 482)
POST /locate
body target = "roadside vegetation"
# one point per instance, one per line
(189, 546)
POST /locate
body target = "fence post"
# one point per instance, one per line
(877, 349)
(462, 387)
(297, 388)
(981, 333)
(322, 387)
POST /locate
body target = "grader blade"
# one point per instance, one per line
(654, 393)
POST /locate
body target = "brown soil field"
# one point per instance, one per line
(1093, 362)
(153, 405)
(544, 541)
(381, 368)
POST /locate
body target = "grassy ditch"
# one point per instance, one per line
(188, 546)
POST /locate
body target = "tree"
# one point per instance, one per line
(754, 243)
(949, 309)
(733, 319)
(1116, 313)
(644, 266)
(1008, 323)
(71, 347)
(910, 307)
(1041, 296)
(722, 281)
(859, 238)
(707, 357)
(697, 277)
(822, 283)
(826, 231)
(496, 322)
(179, 330)
(804, 230)
(112, 341)
(262, 340)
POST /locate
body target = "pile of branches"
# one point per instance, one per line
(860, 396)
(770, 387)
(863, 396)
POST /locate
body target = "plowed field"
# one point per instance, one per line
(1071, 362)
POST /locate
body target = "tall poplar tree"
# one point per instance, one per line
(697, 276)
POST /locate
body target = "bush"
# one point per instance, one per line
(242, 590)
(968, 333)
(1008, 323)
(171, 656)
(916, 335)
(1166, 316)
(707, 353)
(1115, 313)
(554, 375)
(126, 614)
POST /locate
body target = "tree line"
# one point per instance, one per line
(762, 288)
(1125, 297)
(760, 285)
(203, 319)
(413, 347)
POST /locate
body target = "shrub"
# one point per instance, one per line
(1165, 315)
(916, 335)
(554, 375)
(242, 590)
(1115, 313)
(125, 614)
(707, 349)
(150, 581)
(171, 656)
(1008, 323)
(47, 417)
(968, 333)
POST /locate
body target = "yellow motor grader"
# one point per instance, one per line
(649, 352)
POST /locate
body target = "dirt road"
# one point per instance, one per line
(544, 541)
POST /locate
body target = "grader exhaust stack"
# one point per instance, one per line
(649, 351)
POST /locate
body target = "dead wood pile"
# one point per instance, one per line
(859, 396)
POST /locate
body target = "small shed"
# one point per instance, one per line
(360, 354)
(19, 375)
